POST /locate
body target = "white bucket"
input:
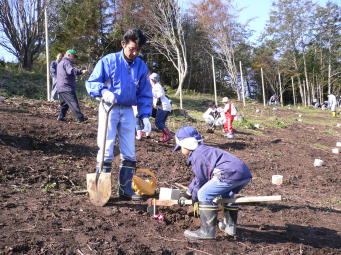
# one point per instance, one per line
(257, 110)
(169, 194)
(257, 125)
(338, 144)
(318, 162)
(277, 179)
(335, 150)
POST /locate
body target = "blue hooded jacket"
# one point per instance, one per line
(128, 81)
(205, 159)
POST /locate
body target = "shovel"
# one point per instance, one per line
(99, 184)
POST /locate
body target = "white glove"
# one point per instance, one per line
(108, 96)
(147, 125)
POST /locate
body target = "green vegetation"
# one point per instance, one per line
(14, 81)
(320, 146)
(31, 84)
(48, 187)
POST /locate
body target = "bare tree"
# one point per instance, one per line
(222, 31)
(22, 24)
(166, 34)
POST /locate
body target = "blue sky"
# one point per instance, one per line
(257, 10)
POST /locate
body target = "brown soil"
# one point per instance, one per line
(42, 161)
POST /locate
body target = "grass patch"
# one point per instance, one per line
(320, 146)
(331, 132)
(49, 187)
(334, 202)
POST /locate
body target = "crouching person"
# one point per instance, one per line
(214, 116)
(217, 173)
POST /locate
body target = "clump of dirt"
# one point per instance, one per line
(42, 161)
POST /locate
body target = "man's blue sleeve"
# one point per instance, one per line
(144, 96)
(97, 79)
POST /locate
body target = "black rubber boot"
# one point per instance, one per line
(229, 223)
(208, 217)
(125, 191)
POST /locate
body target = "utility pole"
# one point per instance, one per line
(47, 58)
(263, 88)
(242, 80)
(214, 83)
(280, 87)
(293, 90)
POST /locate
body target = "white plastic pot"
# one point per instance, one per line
(318, 162)
(277, 179)
(338, 144)
(335, 150)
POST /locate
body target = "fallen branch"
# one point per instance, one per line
(72, 183)
(199, 250)
(84, 191)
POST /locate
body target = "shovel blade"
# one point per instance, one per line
(100, 191)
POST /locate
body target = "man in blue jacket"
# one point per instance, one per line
(217, 173)
(122, 79)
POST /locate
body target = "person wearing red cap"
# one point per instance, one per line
(217, 173)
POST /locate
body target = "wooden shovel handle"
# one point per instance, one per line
(238, 200)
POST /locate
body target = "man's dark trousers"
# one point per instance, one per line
(68, 99)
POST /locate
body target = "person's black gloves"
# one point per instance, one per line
(183, 197)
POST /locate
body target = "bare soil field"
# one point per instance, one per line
(42, 161)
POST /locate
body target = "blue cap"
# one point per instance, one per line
(182, 135)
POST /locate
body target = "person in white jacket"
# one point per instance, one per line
(214, 116)
(332, 104)
(162, 105)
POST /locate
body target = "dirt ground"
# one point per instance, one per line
(42, 161)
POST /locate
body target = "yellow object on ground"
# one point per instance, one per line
(334, 114)
(144, 187)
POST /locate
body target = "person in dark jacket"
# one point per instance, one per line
(217, 173)
(53, 73)
(66, 86)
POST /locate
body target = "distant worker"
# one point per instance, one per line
(216, 173)
(66, 86)
(139, 125)
(230, 111)
(214, 116)
(332, 104)
(121, 79)
(53, 73)
(315, 103)
(162, 105)
(274, 101)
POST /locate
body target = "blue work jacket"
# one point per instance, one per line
(205, 159)
(128, 81)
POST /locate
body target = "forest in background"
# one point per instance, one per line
(298, 52)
